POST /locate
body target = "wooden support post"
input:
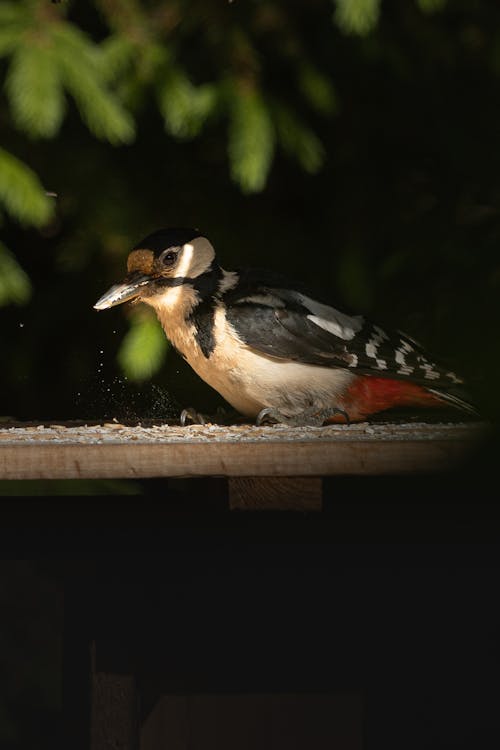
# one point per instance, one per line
(114, 710)
(275, 493)
(76, 669)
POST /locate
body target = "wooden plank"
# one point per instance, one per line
(262, 720)
(100, 452)
(275, 493)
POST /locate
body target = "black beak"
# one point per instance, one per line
(129, 289)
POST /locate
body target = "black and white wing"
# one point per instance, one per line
(288, 324)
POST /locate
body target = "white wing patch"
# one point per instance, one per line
(268, 300)
(331, 320)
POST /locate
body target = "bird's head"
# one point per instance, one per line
(165, 267)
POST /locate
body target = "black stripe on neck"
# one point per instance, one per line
(206, 284)
(203, 315)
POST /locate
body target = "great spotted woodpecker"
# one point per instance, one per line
(272, 351)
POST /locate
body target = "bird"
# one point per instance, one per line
(272, 350)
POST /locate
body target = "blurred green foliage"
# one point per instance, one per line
(348, 142)
(144, 347)
(359, 17)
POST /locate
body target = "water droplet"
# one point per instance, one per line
(21, 325)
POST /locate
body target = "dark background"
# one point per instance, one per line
(401, 223)
(403, 617)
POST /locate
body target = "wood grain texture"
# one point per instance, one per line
(114, 712)
(275, 493)
(133, 453)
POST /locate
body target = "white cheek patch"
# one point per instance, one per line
(196, 258)
(185, 262)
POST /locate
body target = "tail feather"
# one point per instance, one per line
(457, 401)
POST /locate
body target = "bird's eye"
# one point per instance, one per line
(168, 258)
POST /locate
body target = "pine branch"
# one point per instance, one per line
(14, 19)
(317, 89)
(35, 91)
(15, 285)
(22, 193)
(251, 138)
(13, 13)
(184, 107)
(297, 139)
(79, 68)
(115, 56)
(357, 16)
(431, 6)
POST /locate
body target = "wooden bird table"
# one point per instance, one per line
(218, 613)
(266, 467)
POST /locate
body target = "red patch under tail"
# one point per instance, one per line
(369, 395)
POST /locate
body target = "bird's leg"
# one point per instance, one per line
(191, 415)
(312, 417)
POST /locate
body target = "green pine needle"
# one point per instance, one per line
(115, 56)
(79, 68)
(35, 91)
(297, 140)
(251, 139)
(317, 89)
(357, 17)
(143, 348)
(14, 18)
(21, 192)
(12, 13)
(184, 107)
(431, 6)
(15, 285)
(9, 40)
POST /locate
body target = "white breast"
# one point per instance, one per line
(247, 379)
(251, 381)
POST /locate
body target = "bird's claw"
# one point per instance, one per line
(270, 415)
(190, 415)
(308, 418)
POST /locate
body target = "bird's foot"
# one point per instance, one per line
(308, 418)
(191, 416)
